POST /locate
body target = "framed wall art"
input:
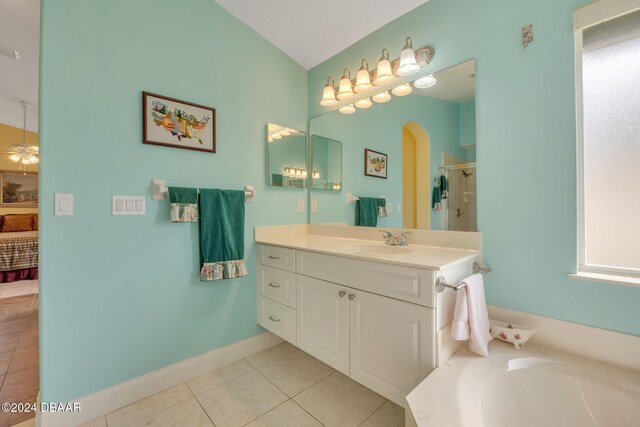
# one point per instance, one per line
(19, 189)
(180, 124)
(375, 164)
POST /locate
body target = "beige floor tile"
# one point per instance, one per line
(148, 407)
(9, 314)
(29, 338)
(270, 355)
(186, 414)
(22, 287)
(9, 342)
(31, 422)
(339, 401)
(295, 372)
(241, 400)
(25, 357)
(389, 415)
(96, 422)
(20, 385)
(5, 361)
(286, 415)
(219, 376)
(13, 418)
(24, 301)
(12, 326)
(32, 323)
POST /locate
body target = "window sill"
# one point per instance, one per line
(606, 278)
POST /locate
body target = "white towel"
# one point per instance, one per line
(470, 318)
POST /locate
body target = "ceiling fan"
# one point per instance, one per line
(24, 154)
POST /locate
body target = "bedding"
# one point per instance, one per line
(18, 256)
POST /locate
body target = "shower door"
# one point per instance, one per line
(462, 198)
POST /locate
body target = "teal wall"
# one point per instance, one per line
(379, 128)
(120, 296)
(526, 149)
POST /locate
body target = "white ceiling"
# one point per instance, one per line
(19, 30)
(455, 84)
(312, 31)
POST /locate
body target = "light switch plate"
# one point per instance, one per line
(314, 205)
(63, 205)
(128, 205)
(300, 206)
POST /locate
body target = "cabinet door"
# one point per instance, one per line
(392, 344)
(322, 314)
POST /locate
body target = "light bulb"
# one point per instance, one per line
(364, 103)
(381, 97)
(363, 78)
(285, 132)
(347, 109)
(276, 135)
(408, 64)
(425, 82)
(346, 89)
(15, 158)
(25, 161)
(33, 160)
(329, 94)
(402, 90)
(384, 74)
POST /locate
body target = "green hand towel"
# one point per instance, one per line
(436, 199)
(184, 204)
(221, 234)
(368, 210)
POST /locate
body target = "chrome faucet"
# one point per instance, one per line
(392, 240)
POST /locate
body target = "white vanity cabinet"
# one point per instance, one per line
(374, 322)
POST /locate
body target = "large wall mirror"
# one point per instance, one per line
(326, 158)
(429, 139)
(286, 157)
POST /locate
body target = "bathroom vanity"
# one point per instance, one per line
(368, 310)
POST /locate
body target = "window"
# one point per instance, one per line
(608, 93)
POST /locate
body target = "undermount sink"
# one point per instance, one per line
(378, 249)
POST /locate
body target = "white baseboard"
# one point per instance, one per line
(128, 392)
(606, 346)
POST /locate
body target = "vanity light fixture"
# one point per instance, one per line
(425, 82)
(347, 109)
(384, 74)
(402, 90)
(329, 93)
(315, 175)
(381, 97)
(346, 88)
(276, 135)
(364, 103)
(363, 78)
(285, 132)
(408, 64)
(295, 172)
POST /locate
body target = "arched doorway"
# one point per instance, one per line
(416, 159)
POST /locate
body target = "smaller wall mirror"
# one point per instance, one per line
(326, 155)
(286, 157)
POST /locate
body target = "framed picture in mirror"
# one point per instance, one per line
(375, 164)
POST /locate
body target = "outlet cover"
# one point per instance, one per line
(300, 206)
(314, 205)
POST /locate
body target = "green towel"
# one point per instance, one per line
(368, 209)
(184, 204)
(221, 234)
(436, 198)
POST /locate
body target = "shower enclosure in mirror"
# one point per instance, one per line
(429, 137)
(326, 158)
(286, 157)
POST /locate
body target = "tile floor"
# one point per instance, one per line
(19, 353)
(279, 387)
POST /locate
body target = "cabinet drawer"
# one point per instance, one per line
(275, 256)
(403, 283)
(278, 285)
(277, 318)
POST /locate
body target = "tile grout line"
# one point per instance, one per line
(374, 411)
(310, 414)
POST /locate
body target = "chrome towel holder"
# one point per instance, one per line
(441, 283)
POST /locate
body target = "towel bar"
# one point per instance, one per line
(159, 191)
(441, 282)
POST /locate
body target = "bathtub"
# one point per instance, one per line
(530, 387)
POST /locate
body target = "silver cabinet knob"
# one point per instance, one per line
(275, 319)
(274, 285)
(352, 296)
(341, 294)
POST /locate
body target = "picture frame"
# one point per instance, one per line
(375, 164)
(179, 124)
(19, 189)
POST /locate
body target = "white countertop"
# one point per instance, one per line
(421, 256)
